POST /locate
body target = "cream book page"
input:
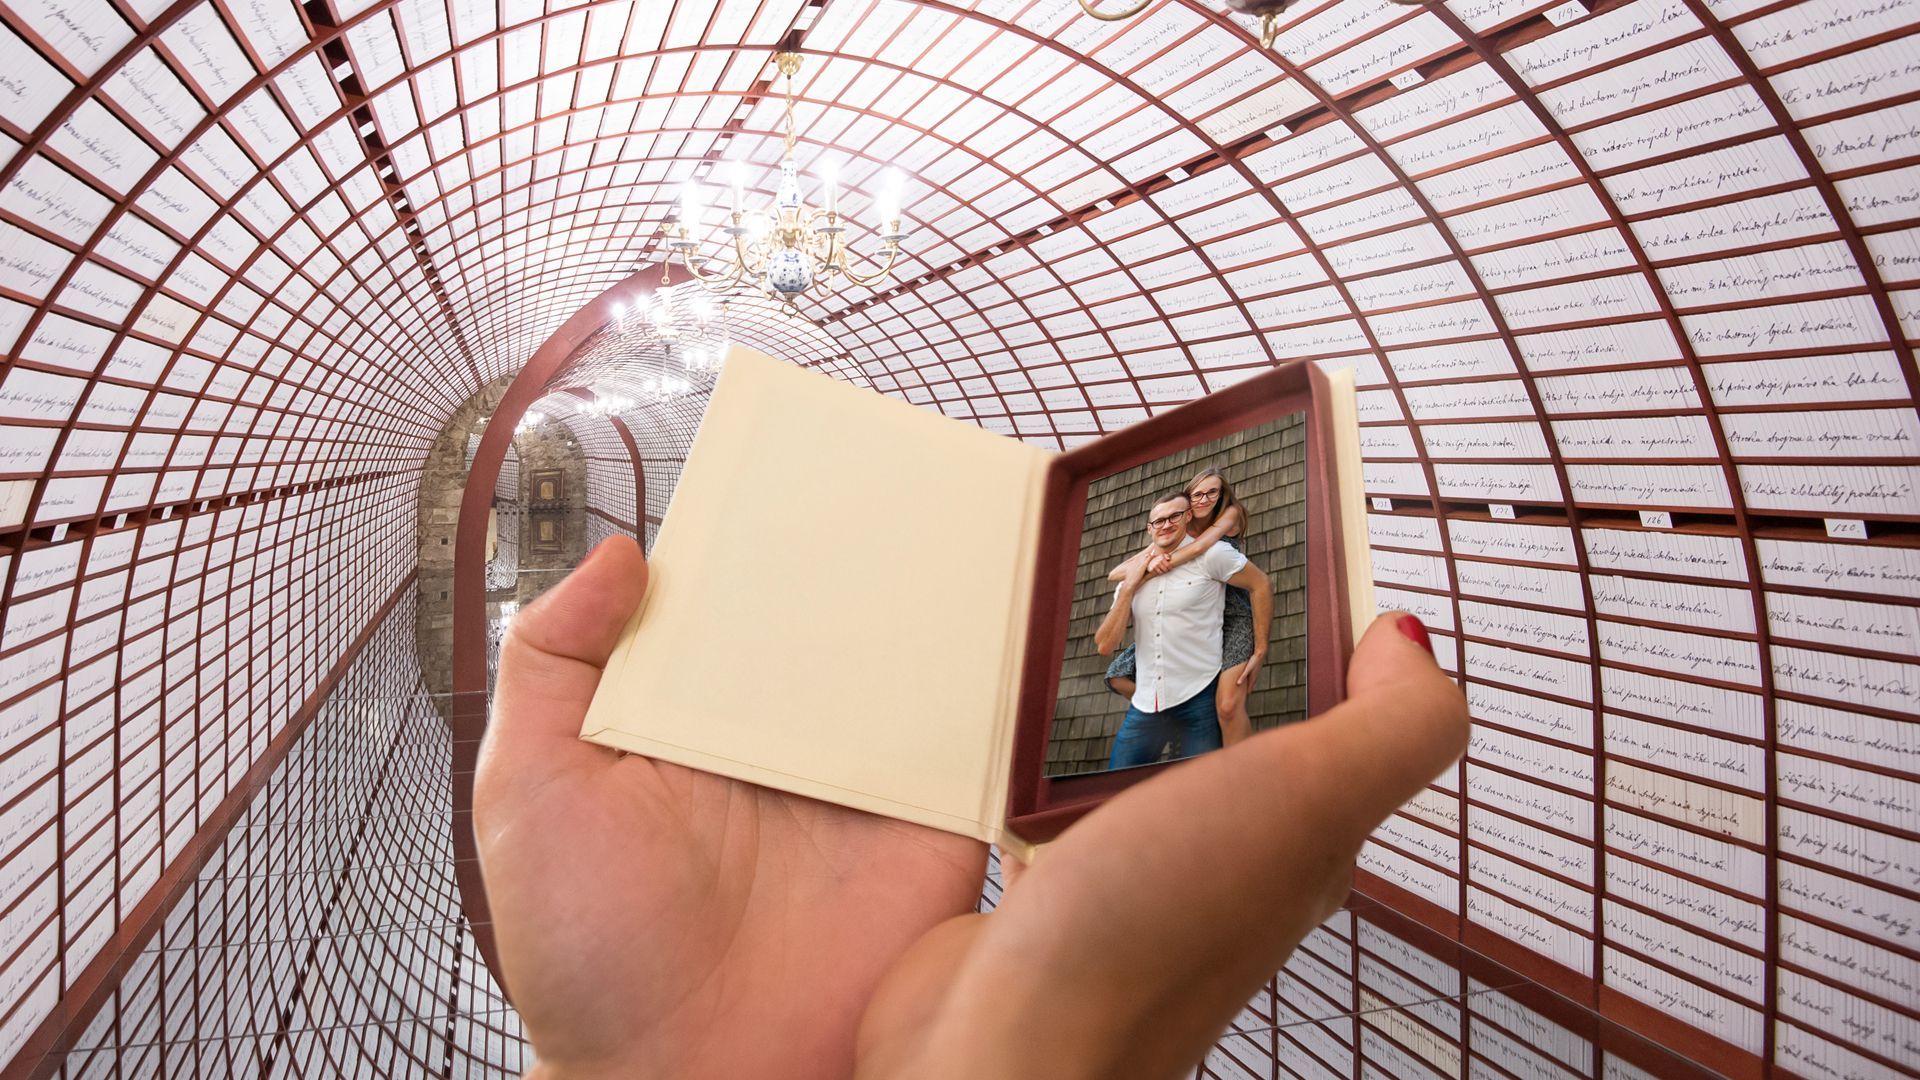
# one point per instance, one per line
(837, 602)
(1350, 501)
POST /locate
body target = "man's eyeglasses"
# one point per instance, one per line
(1166, 522)
(1204, 496)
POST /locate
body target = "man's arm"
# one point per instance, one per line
(1113, 628)
(1260, 591)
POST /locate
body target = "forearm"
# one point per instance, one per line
(1113, 628)
(1262, 598)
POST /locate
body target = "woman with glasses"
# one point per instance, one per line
(1215, 516)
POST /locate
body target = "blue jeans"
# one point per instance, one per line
(1193, 725)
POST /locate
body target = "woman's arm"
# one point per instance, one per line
(1227, 524)
(1119, 573)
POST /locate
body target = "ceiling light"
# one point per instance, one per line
(792, 247)
(1268, 10)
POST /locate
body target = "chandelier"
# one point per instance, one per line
(791, 247)
(698, 345)
(1269, 12)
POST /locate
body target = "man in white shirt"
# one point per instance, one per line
(1177, 617)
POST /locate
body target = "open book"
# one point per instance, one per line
(840, 601)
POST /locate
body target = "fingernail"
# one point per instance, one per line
(1415, 632)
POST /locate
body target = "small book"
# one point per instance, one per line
(865, 602)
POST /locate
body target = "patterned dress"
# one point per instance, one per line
(1236, 632)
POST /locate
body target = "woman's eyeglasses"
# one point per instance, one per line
(1166, 522)
(1204, 496)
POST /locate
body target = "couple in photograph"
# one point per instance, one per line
(1200, 613)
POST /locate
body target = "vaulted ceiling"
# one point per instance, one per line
(1631, 289)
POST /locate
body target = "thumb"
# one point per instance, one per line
(552, 659)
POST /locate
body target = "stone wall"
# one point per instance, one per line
(543, 448)
(443, 482)
(1267, 468)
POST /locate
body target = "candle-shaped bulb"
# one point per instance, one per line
(890, 198)
(828, 174)
(689, 202)
(737, 176)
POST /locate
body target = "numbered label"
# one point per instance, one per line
(1656, 519)
(1568, 12)
(1501, 511)
(1382, 503)
(1407, 79)
(1846, 528)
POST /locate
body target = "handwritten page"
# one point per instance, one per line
(1507, 540)
(1530, 1029)
(1667, 553)
(1678, 71)
(1730, 1020)
(1506, 176)
(1709, 177)
(1864, 909)
(1720, 760)
(1628, 341)
(1709, 607)
(1839, 491)
(1860, 568)
(1714, 809)
(1486, 356)
(1378, 1045)
(1848, 961)
(1741, 974)
(1847, 624)
(1538, 629)
(1570, 948)
(1498, 483)
(1845, 321)
(1538, 672)
(1646, 486)
(1856, 680)
(1846, 734)
(1526, 584)
(1424, 881)
(1863, 1024)
(1404, 973)
(1707, 857)
(1638, 438)
(1403, 531)
(1523, 885)
(1434, 611)
(1588, 253)
(1810, 1055)
(1514, 220)
(1532, 758)
(1858, 793)
(1528, 801)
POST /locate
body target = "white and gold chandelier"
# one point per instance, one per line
(1267, 11)
(791, 247)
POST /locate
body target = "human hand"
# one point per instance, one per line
(1159, 562)
(1251, 670)
(657, 921)
(1137, 936)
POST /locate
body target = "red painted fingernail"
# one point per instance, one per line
(1415, 632)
